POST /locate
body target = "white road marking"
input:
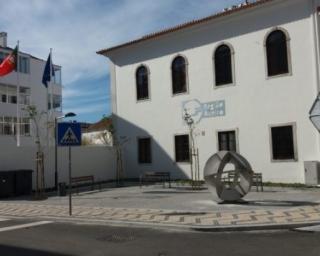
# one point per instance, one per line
(33, 224)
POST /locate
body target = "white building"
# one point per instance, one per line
(98, 133)
(248, 76)
(32, 92)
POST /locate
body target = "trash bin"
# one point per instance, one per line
(23, 182)
(62, 189)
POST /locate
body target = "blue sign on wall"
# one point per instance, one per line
(69, 134)
(199, 110)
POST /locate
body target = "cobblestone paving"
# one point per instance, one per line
(296, 215)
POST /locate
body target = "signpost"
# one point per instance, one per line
(69, 135)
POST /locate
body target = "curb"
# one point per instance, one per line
(197, 228)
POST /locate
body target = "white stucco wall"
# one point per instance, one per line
(97, 161)
(253, 104)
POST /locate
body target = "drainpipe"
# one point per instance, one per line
(315, 26)
(315, 23)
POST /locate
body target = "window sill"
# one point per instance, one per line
(284, 161)
(182, 162)
(143, 100)
(180, 94)
(223, 86)
(279, 76)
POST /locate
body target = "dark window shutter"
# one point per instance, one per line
(179, 75)
(144, 151)
(142, 83)
(223, 65)
(227, 141)
(277, 53)
(282, 143)
(182, 148)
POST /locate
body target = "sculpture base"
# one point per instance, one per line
(240, 201)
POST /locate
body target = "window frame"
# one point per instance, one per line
(236, 130)
(295, 143)
(288, 40)
(138, 152)
(136, 84)
(187, 75)
(174, 148)
(232, 52)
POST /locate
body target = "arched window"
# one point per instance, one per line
(223, 65)
(277, 53)
(142, 80)
(179, 75)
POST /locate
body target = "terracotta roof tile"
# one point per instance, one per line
(186, 25)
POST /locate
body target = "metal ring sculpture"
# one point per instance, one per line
(241, 181)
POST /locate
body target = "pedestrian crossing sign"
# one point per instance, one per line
(69, 134)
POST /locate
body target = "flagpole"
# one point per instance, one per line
(48, 109)
(51, 67)
(18, 97)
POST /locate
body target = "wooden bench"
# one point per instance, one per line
(155, 177)
(82, 180)
(256, 179)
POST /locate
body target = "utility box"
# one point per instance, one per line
(15, 183)
(7, 185)
(312, 172)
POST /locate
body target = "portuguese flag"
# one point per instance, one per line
(10, 63)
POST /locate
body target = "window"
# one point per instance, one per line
(182, 148)
(227, 141)
(179, 75)
(277, 53)
(57, 100)
(12, 94)
(3, 56)
(8, 126)
(3, 93)
(25, 126)
(142, 80)
(8, 94)
(283, 146)
(223, 65)
(57, 75)
(144, 151)
(24, 96)
(24, 65)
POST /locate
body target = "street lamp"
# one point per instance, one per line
(70, 114)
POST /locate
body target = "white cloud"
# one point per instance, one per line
(76, 29)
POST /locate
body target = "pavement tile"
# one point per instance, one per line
(217, 218)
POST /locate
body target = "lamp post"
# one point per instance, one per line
(70, 114)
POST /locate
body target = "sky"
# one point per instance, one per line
(76, 29)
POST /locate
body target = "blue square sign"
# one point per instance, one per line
(69, 134)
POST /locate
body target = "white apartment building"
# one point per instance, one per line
(31, 92)
(248, 77)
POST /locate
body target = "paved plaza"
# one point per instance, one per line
(176, 207)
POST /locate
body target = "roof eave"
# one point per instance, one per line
(106, 52)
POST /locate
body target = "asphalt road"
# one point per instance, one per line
(40, 238)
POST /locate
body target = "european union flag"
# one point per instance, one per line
(48, 72)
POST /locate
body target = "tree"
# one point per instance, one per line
(36, 117)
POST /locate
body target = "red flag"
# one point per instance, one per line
(9, 64)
